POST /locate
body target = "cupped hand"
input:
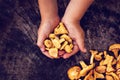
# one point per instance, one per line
(46, 27)
(77, 34)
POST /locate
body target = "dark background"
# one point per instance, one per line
(21, 59)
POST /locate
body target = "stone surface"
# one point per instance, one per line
(21, 59)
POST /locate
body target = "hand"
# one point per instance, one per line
(77, 34)
(46, 27)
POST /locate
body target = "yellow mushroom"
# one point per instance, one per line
(71, 45)
(66, 37)
(61, 40)
(68, 49)
(56, 43)
(101, 63)
(108, 77)
(98, 75)
(85, 70)
(105, 53)
(74, 73)
(115, 48)
(60, 29)
(52, 36)
(114, 62)
(48, 43)
(109, 65)
(101, 69)
(93, 53)
(108, 58)
(83, 64)
(118, 62)
(63, 45)
(53, 52)
(118, 73)
(115, 77)
(89, 76)
(98, 56)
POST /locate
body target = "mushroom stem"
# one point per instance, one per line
(84, 71)
(93, 53)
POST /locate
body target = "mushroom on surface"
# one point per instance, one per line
(118, 62)
(101, 69)
(89, 76)
(113, 75)
(85, 70)
(98, 75)
(93, 53)
(107, 59)
(83, 64)
(115, 48)
(108, 77)
(74, 73)
(98, 56)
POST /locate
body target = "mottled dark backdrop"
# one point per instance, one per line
(21, 59)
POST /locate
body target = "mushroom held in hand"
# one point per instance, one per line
(58, 41)
(53, 52)
(60, 29)
(74, 73)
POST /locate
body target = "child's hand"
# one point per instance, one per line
(46, 27)
(77, 34)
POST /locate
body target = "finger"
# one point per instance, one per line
(47, 54)
(60, 53)
(74, 51)
(81, 45)
(42, 48)
(40, 40)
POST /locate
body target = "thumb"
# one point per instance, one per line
(40, 41)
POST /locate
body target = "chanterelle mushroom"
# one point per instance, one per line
(118, 63)
(118, 73)
(107, 59)
(85, 70)
(108, 77)
(115, 48)
(101, 69)
(109, 64)
(83, 64)
(74, 73)
(98, 56)
(53, 52)
(60, 29)
(89, 76)
(98, 75)
(93, 53)
(113, 75)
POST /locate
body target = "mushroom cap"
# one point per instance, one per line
(114, 46)
(74, 73)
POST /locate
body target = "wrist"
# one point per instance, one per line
(70, 21)
(50, 19)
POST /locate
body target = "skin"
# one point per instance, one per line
(50, 19)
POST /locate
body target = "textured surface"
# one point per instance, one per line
(21, 59)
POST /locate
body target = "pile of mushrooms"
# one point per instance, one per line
(58, 40)
(108, 66)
